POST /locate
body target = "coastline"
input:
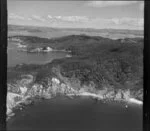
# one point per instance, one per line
(97, 97)
(87, 73)
(100, 97)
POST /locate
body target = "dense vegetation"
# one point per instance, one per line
(106, 62)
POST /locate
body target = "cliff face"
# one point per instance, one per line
(24, 89)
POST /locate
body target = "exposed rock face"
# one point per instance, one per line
(47, 49)
(11, 102)
(44, 49)
(22, 90)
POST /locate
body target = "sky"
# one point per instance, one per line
(77, 14)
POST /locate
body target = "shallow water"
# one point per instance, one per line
(18, 57)
(78, 114)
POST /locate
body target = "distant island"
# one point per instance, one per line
(51, 32)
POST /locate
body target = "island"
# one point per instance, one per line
(98, 67)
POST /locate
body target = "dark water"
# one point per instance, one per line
(78, 114)
(18, 57)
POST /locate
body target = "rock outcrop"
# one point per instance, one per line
(26, 88)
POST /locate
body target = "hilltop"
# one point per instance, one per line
(51, 32)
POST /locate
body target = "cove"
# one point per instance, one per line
(77, 113)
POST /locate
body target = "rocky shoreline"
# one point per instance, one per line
(25, 96)
(38, 49)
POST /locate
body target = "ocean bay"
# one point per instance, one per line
(77, 113)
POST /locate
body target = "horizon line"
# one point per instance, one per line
(75, 28)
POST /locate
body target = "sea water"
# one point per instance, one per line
(18, 57)
(78, 113)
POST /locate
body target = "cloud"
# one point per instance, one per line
(50, 17)
(109, 3)
(39, 18)
(79, 21)
(29, 18)
(68, 18)
(14, 16)
(134, 22)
